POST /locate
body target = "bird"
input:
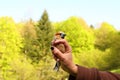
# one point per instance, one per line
(61, 47)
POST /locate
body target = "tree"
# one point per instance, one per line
(10, 46)
(78, 33)
(30, 49)
(112, 58)
(44, 35)
(103, 36)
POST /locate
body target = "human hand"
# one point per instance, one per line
(65, 58)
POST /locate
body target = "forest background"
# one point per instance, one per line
(25, 47)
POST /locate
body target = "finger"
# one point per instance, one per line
(55, 57)
(57, 53)
(65, 43)
(52, 42)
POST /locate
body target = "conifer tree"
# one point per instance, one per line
(44, 35)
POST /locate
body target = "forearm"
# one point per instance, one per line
(85, 74)
(74, 70)
(93, 74)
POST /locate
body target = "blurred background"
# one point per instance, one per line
(27, 28)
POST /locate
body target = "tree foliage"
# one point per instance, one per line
(113, 56)
(78, 34)
(103, 36)
(44, 35)
(10, 46)
(31, 48)
(25, 47)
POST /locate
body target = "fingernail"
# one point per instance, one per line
(52, 48)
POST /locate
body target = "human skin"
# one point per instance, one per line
(65, 58)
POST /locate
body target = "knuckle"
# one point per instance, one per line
(63, 59)
(56, 52)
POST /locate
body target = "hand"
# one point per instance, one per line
(64, 58)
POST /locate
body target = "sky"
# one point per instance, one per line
(92, 11)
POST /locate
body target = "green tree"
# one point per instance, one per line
(10, 45)
(103, 36)
(112, 58)
(31, 48)
(107, 40)
(78, 33)
(44, 35)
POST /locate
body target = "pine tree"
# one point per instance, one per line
(44, 35)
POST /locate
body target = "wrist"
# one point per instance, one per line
(74, 70)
